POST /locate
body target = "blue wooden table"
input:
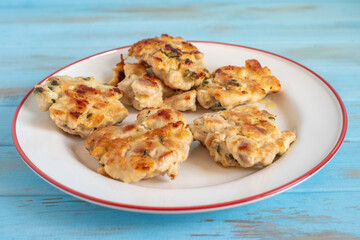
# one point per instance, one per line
(39, 37)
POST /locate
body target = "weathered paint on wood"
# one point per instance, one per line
(39, 37)
(287, 216)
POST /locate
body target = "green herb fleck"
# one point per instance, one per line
(194, 75)
(186, 73)
(234, 82)
(231, 156)
(217, 148)
(191, 74)
(205, 70)
(161, 138)
(38, 90)
(272, 118)
(87, 78)
(50, 88)
(89, 115)
(172, 54)
(53, 100)
(146, 153)
(55, 83)
(217, 107)
(205, 83)
(271, 87)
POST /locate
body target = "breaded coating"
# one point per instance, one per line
(242, 137)
(178, 63)
(81, 104)
(181, 102)
(232, 85)
(156, 144)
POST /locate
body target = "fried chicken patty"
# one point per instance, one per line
(178, 63)
(156, 144)
(143, 91)
(81, 104)
(243, 136)
(139, 88)
(232, 85)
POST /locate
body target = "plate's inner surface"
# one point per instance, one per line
(304, 105)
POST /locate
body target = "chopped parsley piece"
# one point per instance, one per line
(234, 82)
(217, 148)
(87, 78)
(172, 54)
(55, 83)
(53, 100)
(194, 75)
(205, 70)
(146, 153)
(205, 83)
(191, 74)
(38, 90)
(217, 107)
(89, 115)
(231, 156)
(272, 118)
(186, 73)
(161, 138)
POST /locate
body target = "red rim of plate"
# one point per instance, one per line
(186, 208)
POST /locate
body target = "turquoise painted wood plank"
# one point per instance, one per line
(289, 216)
(299, 23)
(5, 125)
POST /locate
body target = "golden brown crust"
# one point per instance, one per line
(156, 144)
(119, 72)
(232, 85)
(181, 102)
(80, 105)
(173, 60)
(244, 136)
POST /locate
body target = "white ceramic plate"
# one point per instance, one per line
(307, 105)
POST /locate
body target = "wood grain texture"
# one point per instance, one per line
(39, 37)
(287, 216)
